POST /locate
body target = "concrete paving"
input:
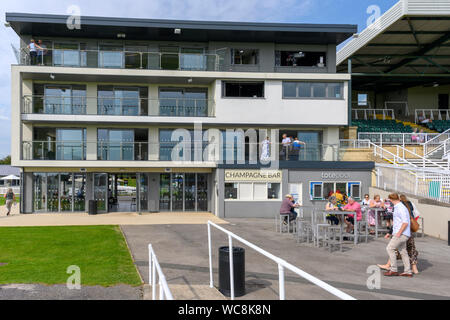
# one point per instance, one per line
(115, 218)
(61, 292)
(182, 251)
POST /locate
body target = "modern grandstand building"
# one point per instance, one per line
(164, 115)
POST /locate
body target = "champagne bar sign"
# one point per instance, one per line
(253, 175)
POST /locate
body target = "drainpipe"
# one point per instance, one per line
(350, 93)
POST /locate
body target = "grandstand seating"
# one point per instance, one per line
(439, 125)
(381, 126)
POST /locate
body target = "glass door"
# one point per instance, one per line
(177, 192)
(127, 100)
(170, 58)
(143, 192)
(164, 192)
(57, 100)
(190, 192)
(66, 189)
(202, 192)
(79, 192)
(101, 191)
(52, 192)
(192, 59)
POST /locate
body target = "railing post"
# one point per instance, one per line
(150, 258)
(281, 282)
(153, 280)
(230, 246)
(161, 289)
(211, 278)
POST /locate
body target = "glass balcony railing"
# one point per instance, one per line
(247, 153)
(80, 105)
(123, 60)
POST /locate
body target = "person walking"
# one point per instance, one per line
(401, 232)
(10, 198)
(410, 244)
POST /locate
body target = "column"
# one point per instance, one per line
(91, 147)
(153, 140)
(91, 94)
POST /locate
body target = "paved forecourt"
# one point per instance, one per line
(182, 251)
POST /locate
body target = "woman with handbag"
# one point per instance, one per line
(410, 244)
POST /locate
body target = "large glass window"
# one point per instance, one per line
(183, 102)
(60, 99)
(300, 59)
(111, 56)
(323, 90)
(66, 54)
(70, 144)
(127, 101)
(244, 56)
(192, 59)
(115, 144)
(243, 89)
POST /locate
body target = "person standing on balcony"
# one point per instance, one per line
(286, 143)
(10, 198)
(42, 51)
(265, 150)
(33, 47)
(297, 147)
(401, 233)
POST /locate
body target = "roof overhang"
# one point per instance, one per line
(45, 25)
(407, 46)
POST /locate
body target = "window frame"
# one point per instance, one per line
(348, 188)
(252, 183)
(311, 88)
(224, 83)
(233, 63)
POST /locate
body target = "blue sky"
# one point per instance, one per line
(294, 11)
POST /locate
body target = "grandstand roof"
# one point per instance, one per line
(407, 46)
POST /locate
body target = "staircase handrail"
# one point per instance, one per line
(396, 159)
(424, 160)
(425, 145)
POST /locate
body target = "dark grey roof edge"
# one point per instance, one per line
(188, 24)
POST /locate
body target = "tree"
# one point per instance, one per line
(6, 160)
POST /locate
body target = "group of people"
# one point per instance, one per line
(397, 211)
(37, 52)
(418, 137)
(290, 148)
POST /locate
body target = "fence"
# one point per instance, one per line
(16, 190)
(427, 183)
(395, 138)
(281, 266)
(431, 114)
(368, 114)
(154, 269)
(434, 144)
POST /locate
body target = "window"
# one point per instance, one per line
(323, 90)
(300, 59)
(249, 191)
(244, 56)
(231, 190)
(243, 89)
(323, 190)
(362, 99)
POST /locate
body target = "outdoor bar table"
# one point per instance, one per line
(343, 213)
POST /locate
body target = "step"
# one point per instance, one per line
(187, 292)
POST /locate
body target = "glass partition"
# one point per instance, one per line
(111, 56)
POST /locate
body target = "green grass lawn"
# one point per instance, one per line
(42, 255)
(3, 201)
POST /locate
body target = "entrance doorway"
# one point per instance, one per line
(183, 192)
(121, 192)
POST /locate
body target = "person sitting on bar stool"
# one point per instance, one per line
(287, 207)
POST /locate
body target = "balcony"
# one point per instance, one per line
(122, 59)
(78, 105)
(247, 153)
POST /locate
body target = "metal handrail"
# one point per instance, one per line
(424, 136)
(396, 160)
(432, 141)
(423, 159)
(155, 269)
(180, 107)
(282, 264)
(146, 59)
(373, 113)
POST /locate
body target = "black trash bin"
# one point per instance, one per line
(239, 271)
(92, 207)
